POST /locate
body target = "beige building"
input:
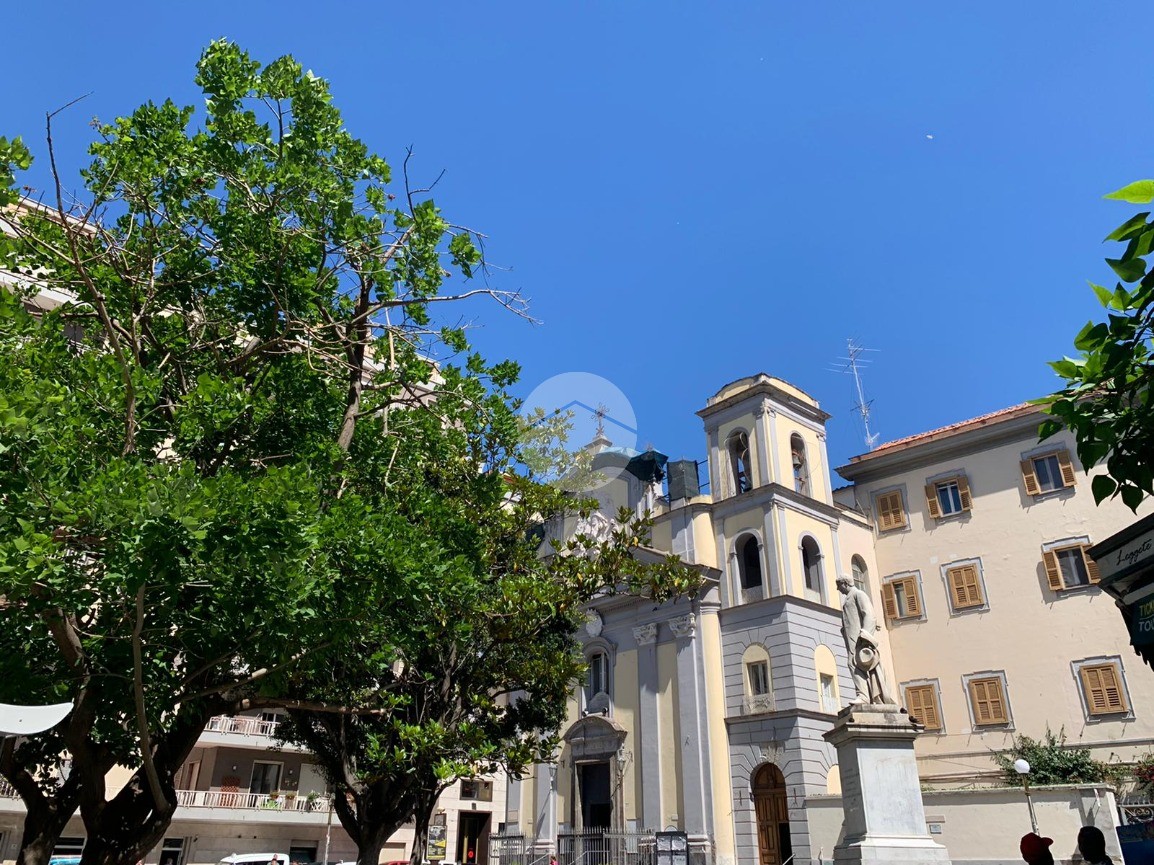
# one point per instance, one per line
(995, 620)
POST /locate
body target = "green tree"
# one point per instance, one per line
(190, 451)
(1051, 761)
(1106, 400)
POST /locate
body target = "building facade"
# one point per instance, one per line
(706, 716)
(996, 620)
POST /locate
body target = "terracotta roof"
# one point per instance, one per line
(1019, 410)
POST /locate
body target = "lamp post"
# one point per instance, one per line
(1022, 767)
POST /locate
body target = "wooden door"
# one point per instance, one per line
(772, 813)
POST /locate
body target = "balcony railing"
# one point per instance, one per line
(251, 801)
(7, 791)
(243, 725)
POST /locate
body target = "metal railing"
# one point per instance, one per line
(7, 791)
(591, 847)
(244, 725)
(1135, 808)
(251, 801)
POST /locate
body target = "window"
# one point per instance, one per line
(964, 584)
(800, 469)
(474, 788)
(891, 512)
(858, 568)
(1068, 567)
(922, 704)
(811, 566)
(171, 852)
(828, 698)
(1048, 472)
(598, 679)
(1102, 688)
(988, 701)
(265, 778)
(739, 463)
(948, 497)
(749, 562)
(758, 673)
(901, 599)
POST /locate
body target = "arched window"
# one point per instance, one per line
(739, 463)
(598, 679)
(749, 562)
(811, 566)
(860, 573)
(800, 467)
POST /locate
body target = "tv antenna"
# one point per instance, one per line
(852, 365)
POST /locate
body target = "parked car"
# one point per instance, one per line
(255, 859)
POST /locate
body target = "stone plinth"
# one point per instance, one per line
(885, 821)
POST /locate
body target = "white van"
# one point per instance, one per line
(256, 859)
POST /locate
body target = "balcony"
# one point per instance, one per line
(244, 725)
(242, 731)
(251, 807)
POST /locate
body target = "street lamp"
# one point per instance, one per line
(1022, 767)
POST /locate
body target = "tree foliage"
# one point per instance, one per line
(242, 465)
(1107, 400)
(1051, 761)
(184, 445)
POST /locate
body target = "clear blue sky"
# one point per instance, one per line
(694, 192)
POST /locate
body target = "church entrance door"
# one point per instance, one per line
(774, 846)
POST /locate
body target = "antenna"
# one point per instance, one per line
(853, 366)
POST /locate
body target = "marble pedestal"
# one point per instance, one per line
(885, 820)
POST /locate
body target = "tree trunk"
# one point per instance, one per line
(44, 822)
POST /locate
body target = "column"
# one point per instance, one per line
(647, 748)
(694, 738)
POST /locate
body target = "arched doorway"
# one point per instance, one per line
(772, 811)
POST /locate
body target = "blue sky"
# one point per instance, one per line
(694, 192)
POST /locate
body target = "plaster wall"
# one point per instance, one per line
(1029, 631)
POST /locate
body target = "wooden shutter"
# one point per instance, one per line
(891, 515)
(1053, 570)
(932, 501)
(1103, 689)
(889, 601)
(923, 707)
(965, 587)
(1069, 478)
(913, 602)
(1029, 478)
(988, 702)
(1091, 565)
(964, 492)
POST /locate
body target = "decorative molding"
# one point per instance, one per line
(645, 635)
(683, 626)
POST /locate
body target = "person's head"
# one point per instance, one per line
(844, 584)
(1036, 849)
(1091, 843)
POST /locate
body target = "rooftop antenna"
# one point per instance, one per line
(852, 365)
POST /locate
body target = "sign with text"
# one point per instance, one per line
(1142, 623)
(436, 849)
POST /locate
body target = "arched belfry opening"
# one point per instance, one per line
(771, 809)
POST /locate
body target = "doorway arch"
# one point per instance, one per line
(771, 809)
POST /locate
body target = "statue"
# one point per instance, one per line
(859, 628)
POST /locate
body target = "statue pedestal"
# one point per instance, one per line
(885, 820)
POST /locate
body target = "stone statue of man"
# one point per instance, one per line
(859, 628)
